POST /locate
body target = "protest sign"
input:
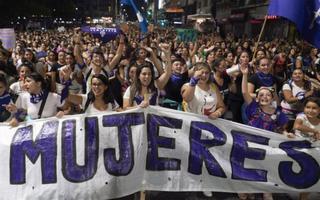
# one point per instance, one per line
(8, 38)
(111, 155)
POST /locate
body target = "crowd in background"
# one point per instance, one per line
(273, 85)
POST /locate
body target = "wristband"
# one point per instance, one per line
(300, 96)
(65, 91)
(193, 81)
(20, 115)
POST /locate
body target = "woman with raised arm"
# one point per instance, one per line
(261, 113)
(201, 95)
(145, 89)
(97, 64)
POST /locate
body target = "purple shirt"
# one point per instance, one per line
(259, 119)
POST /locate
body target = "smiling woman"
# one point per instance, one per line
(37, 102)
(145, 89)
(99, 98)
(201, 95)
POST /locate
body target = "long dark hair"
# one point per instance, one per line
(4, 81)
(216, 63)
(306, 83)
(45, 84)
(107, 95)
(132, 64)
(136, 86)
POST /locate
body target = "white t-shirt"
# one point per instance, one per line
(50, 107)
(16, 87)
(74, 88)
(203, 102)
(296, 91)
(89, 72)
(307, 123)
(153, 98)
(91, 109)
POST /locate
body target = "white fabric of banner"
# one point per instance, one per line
(117, 154)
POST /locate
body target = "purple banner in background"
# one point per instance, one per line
(8, 38)
(104, 34)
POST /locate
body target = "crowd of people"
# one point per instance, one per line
(272, 85)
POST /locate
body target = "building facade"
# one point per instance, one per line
(96, 8)
(245, 18)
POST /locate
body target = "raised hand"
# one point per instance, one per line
(65, 72)
(11, 107)
(244, 68)
(166, 48)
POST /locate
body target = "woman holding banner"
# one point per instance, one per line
(99, 98)
(261, 113)
(38, 102)
(202, 96)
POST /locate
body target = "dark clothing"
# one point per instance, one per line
(255, 80)
(173, 90)
(224, 88)
(235, 101)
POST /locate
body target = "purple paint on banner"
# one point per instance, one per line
(70, 169)
(155, 141)
(23, 146)
(199, 148)
(125, 163)
(309, 172)
(241, 151)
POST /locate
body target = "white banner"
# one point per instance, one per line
(113, 155)
(8, 38)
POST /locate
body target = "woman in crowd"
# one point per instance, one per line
(54, 71)
(229, 59)
(5, 99)
(307, 125)
(172, 97)
(201, 95)
(210, 57)
(263, 78)
(294, 92)
(51, 60)
(145, 89)
(37, 102)
(74, 82)
(98, 99)
(97, 64)
(261, 113)
(24, 69)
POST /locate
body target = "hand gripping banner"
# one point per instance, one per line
(111, 155)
